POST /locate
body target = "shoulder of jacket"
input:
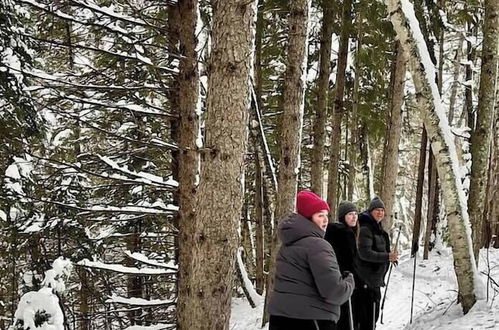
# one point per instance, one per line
(317, 243)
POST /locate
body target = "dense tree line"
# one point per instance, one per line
(148, 142)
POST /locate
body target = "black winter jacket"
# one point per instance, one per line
(342, 239)
(373, 251)
(308, 283)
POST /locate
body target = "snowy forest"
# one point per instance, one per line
(148, 150)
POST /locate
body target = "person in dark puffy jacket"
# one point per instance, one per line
(342, 236)
(308, 288)
(374, 257)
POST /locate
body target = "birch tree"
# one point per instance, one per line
(423, 72)
(205, 303)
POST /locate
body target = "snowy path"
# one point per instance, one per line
(435, 295)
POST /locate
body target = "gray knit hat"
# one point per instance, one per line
(344, 208)
(375, 204)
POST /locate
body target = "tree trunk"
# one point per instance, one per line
(482, 134)
(393, 132)
(84, 296)
(493, 190)
(319, 130)
(259, 228)
(338, 109)
(247, 242)
(354, 125)
(432, 212)
(367, 169)
(291, 124)
(419, 194)
(423, 75)
(188, 158)
(204, 301)
(455, 80)
(134, 282)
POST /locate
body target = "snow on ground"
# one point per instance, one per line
(435, 295)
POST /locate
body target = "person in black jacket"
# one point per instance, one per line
(342, 236)
(374, 257)
(309, 288)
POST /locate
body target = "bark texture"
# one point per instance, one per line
(291, 124)
(319, 131)
(338, 109)
(481, 137)
(393, 133)
(443, 148)
(204, 301)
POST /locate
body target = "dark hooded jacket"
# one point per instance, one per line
(342, 239)
(308, 284)
(373, 251)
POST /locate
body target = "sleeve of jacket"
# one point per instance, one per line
(324, 267)
(365, 247)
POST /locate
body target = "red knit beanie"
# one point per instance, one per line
(308, 203)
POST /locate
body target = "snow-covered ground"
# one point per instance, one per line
(435, 296)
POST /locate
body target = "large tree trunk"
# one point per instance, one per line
(436, 123)
(393, 132)
(482, 134)
(319, 131)
(204, 301)
(338, 109)
(187, 92)
(291, 124)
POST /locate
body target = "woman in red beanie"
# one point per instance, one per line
(309, 288)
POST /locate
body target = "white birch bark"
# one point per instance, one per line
(423, 72)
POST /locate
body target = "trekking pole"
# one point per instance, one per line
(351, 313)
(413, 284)
(389, 273)
(374, 315)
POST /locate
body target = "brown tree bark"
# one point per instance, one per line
(492, 218)
(338, 109)
(432, 212)
(204, 301)
(319, 130)
(354, 129)
(291, 124)
(259, 229)
(393, 133)
(419, 193)
(481, 136)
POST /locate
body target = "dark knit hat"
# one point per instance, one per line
(375, 204)
(308, 203)
(344, 208)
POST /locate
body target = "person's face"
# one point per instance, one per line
(378, 214)
(320, 219)
(351, 219)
